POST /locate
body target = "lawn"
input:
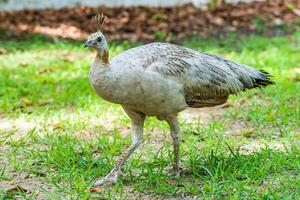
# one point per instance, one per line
(57, 136)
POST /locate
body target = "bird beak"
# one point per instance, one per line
(87, 44)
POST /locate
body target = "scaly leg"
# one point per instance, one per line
(137, 125)
(175, 133)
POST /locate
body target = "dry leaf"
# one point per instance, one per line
(218, 21)
(142, 23)
(45, 70)
(247, 133)
(26, 102)
(172, 182)
(55, 126)
(261, 188)
(96, 155)
(95, 189)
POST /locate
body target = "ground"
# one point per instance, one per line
(57, 136)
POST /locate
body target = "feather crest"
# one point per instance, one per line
(100, 19)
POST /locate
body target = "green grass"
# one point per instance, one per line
(76, 137)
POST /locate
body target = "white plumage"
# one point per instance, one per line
(161, 79)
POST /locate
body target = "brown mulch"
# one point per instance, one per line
(147, 23)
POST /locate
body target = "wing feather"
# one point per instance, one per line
(205, 77)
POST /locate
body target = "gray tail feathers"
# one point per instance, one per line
(252, 78)
(263, 80)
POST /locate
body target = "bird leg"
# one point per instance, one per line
(137, 124)
(175, 134)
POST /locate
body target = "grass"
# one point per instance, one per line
(62, 136)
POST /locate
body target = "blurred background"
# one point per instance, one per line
(150, 20)
(57, 136)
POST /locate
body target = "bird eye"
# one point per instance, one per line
(99, 39)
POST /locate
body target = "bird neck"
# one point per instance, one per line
(102, 57)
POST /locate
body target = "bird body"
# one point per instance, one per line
(161, 79)
(143, 90)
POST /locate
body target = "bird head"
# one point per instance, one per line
(97, 40)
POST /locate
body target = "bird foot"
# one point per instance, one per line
(177, 173)
(111, 178)
(176, 170)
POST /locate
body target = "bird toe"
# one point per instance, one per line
(111, 179)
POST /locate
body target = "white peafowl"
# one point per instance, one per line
(161, 79)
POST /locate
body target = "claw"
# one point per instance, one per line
(110, 178)
(176, 170)
(177, 173)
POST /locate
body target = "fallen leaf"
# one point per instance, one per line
(141, 23)
(247, 133)
(26, 102)
(96, 155)
(218, 21)
(172, 182)
(55, 126)
(261, 188)
(45, 70)
(95, 189)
